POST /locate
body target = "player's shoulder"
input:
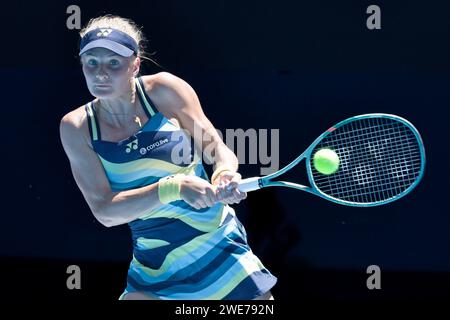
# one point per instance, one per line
(75, 118)
(160, 78)
(168, 90)
(164, 83)
(75, 124)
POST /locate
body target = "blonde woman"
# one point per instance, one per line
(187, 241)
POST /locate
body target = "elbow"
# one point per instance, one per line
(105, 221)
(106, 213)
(103, 217)
(112, 222)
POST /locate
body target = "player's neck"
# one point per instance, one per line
(119, 112)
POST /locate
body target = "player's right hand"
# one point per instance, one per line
(197, 192)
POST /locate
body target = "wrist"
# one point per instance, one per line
(169, 188)
(219, 171)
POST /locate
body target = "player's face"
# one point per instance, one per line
(108, 75)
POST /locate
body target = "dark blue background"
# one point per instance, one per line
(298, 68)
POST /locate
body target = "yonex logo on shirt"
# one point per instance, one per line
(104, 32)
(133, 145)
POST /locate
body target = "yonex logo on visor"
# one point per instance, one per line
(112, 39)
(104, 32)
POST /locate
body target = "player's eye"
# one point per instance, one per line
(114, 62)
(92, 62)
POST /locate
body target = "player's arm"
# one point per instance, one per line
(110, 208)
(177, 98)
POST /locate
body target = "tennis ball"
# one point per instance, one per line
(326, 161)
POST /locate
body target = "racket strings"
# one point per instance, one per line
(379, 156)
(379, 159)
(346, 164)
(363, 175)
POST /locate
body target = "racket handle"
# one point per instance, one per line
(249, 184)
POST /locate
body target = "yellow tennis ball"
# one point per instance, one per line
(326, 161)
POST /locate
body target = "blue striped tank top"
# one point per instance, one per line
(179, 252)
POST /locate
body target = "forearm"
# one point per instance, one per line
(224, 161)
(126, 206)
(224, 157)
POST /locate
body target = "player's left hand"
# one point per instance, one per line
(227, 191)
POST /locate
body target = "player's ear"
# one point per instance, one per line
(136, 66)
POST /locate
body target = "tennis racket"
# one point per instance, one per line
(382, 158)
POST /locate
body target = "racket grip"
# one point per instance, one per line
(249, 184)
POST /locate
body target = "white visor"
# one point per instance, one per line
(108, 44)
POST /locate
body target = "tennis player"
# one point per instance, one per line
(187, 241)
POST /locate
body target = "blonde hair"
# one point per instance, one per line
(123, 24)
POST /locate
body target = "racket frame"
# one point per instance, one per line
(256, 183)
